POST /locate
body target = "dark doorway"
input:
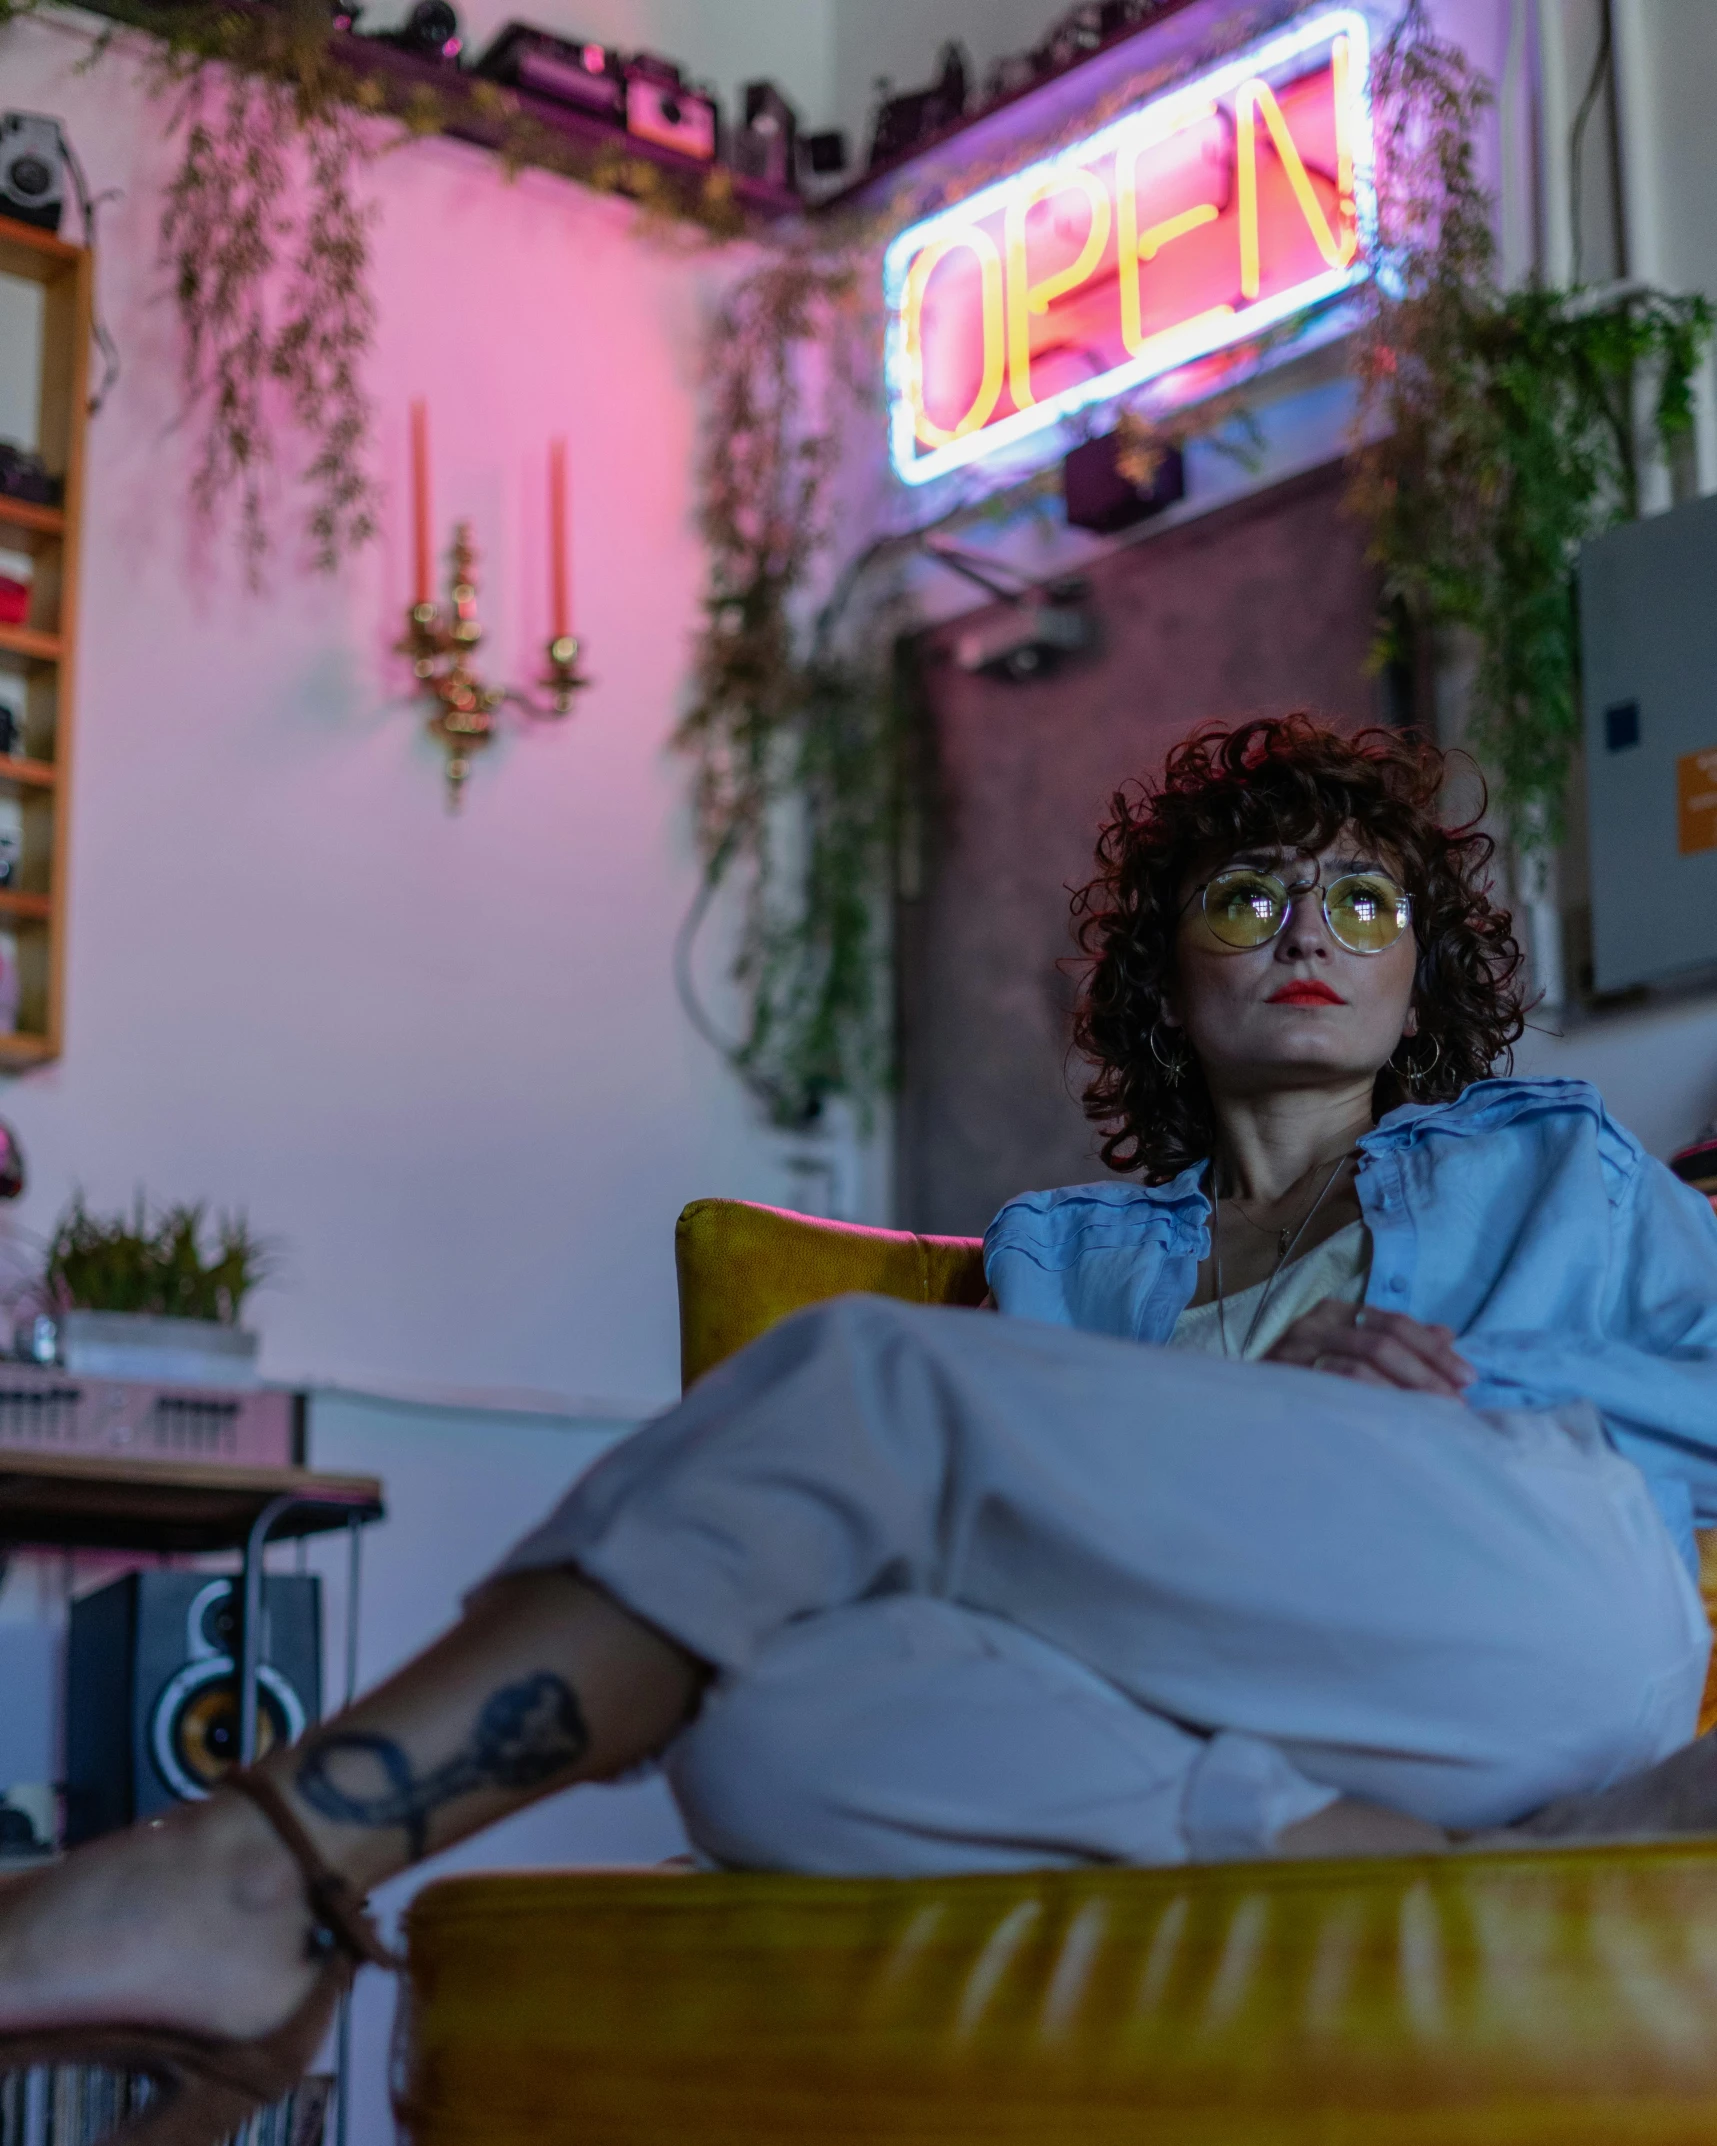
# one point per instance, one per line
(1254, 609)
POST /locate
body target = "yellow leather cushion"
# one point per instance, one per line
(742, 1267)
(1563, 1998)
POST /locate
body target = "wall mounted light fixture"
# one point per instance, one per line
(441, 639)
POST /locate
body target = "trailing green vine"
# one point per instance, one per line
(1504, 427)
(792, 726)
(272, 283)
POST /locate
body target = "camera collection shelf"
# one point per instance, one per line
(582, 141)
(39, 555)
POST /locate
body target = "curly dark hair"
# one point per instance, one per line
(1294, 782)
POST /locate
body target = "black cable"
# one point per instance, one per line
(87, 205)
(685, 940)
(730, 1048)
(1601, 65)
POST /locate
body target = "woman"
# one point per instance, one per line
(905, 1589)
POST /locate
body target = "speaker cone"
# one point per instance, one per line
(193, 1734)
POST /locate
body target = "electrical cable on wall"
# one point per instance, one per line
(1603, 67)
(88, 203)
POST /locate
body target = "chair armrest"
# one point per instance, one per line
(742, 1267)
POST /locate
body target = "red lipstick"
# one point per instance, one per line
(1304, 992)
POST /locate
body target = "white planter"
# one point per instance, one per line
(170, 1352)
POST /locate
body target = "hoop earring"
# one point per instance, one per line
(1417, 1076)
(1174, 1069)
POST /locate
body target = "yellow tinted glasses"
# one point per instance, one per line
(1366, 911)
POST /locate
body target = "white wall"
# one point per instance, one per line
(439, 1058)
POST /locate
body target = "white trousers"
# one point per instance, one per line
(985, 1594)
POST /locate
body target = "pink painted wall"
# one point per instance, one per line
(439, 1058)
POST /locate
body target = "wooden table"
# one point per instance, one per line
(95, 1502)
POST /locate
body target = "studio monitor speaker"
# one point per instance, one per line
(152, 1689)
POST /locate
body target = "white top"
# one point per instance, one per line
(1339, 1267)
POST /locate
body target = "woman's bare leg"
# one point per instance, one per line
(199, 1919)
(545, 1681)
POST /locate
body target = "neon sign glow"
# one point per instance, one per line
(1193, 224)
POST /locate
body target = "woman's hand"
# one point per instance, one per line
(1379, 1348)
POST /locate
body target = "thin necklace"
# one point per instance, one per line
(1281, 1256)
(1286, 1232)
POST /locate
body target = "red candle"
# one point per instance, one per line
(560, 579)
(420, 496)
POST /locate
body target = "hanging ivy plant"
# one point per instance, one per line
(268, 249)
(1506, 427)
(792, 724)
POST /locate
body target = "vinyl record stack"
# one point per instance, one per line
(77, 2105)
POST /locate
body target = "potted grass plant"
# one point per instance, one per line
(156, 1295)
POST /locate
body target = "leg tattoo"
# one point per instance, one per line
(526, 1734)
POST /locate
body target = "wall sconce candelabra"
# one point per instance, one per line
(441, 639)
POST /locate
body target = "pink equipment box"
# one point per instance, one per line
(44, 1409)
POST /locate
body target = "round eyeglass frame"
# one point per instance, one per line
(1289, 894)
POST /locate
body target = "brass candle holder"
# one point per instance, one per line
(441, 640)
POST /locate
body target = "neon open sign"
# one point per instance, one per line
(1194, 223)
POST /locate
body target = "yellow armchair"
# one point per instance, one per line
(742, 1267)
(1560, 1998)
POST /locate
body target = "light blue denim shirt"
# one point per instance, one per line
(1570, 1264)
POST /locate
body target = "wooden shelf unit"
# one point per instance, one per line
(22, 517)
(28, 774)
(28, 641)
(36, 658)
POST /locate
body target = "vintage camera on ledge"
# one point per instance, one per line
(765, 146)
(429, 32)
(904, 122)
(1082, 30)
(32, 170)
(661, 107)
(824, 155)
(583, 76)
(24, 475)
